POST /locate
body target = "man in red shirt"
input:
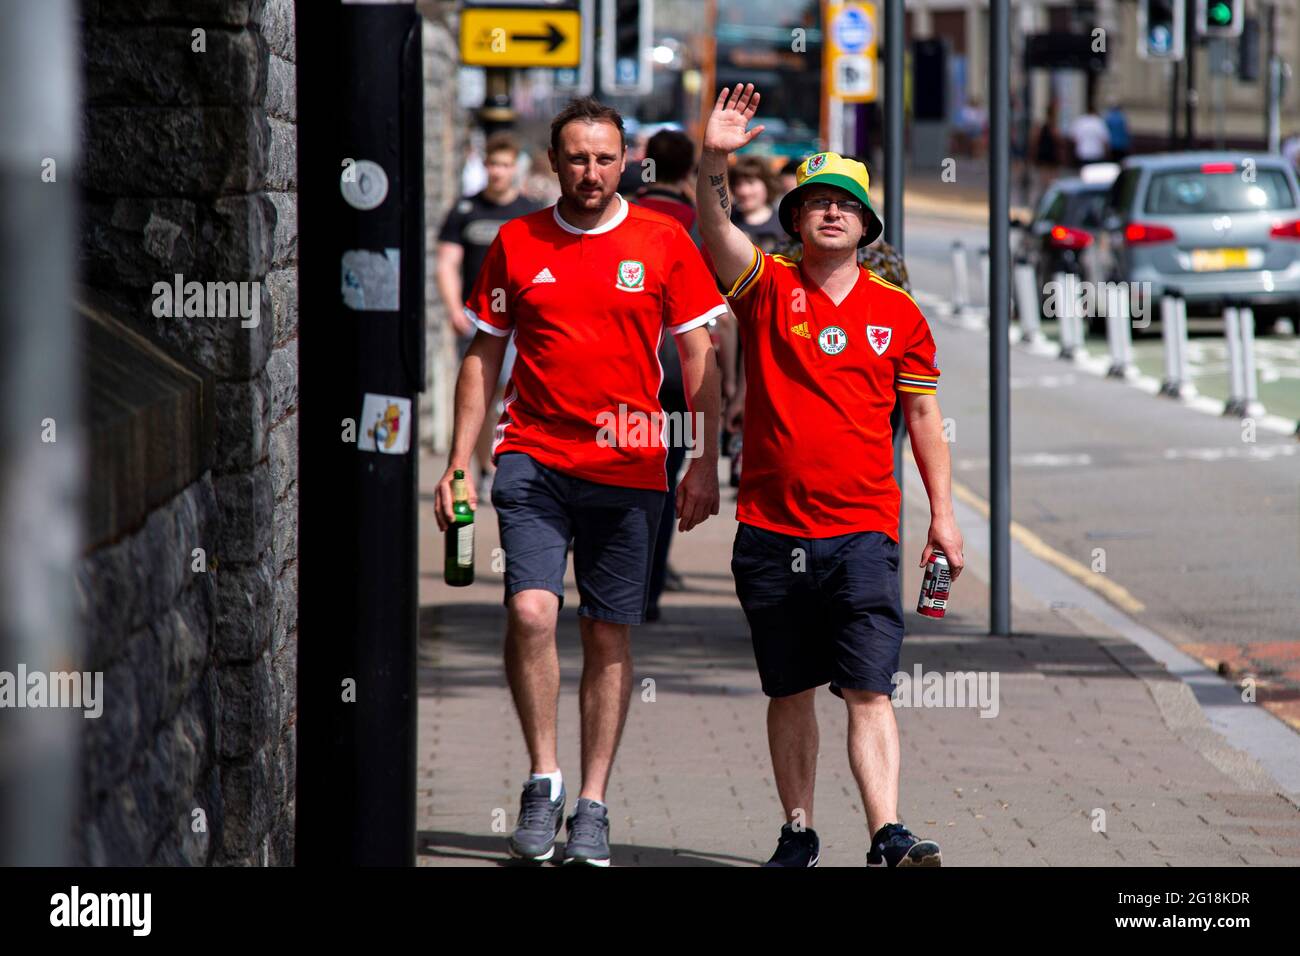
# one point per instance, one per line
(588, 288)
(828, 347)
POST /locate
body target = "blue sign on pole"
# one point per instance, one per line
(852, 30)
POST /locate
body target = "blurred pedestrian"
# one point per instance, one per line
(473, 172)
(753, 189)
(829, 349)
(673, 157)
(1117, 129)
(1047, 150)
(463, 243)
(1091, 138)
(787, 179)
(971, 125)
(633, 176)
(587, 287)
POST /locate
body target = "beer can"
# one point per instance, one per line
(934, 586)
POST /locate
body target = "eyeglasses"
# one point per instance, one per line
(846, 205)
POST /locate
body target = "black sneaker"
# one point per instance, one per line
(538, 823)
(796, 848)
(588, 840)
(895, 845)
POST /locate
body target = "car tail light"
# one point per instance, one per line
(1286, 230)
(1141, 233)
(1064, 237)
(1213, 168)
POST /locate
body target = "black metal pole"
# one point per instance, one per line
(1191, 97)
(1175, 82)
(999, 317)
(361, 358)
(893, 153)
(1272, 114)
(1027, 133)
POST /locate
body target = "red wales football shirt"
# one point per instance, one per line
(588, 309)
(821, 380)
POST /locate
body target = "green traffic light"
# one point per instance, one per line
(1220, 13)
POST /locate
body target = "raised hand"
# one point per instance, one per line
(725, 132)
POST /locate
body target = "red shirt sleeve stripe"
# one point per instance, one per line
(750, 276)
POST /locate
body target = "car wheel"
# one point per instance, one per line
(1267, 315)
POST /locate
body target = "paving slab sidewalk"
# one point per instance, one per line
(1078, 767)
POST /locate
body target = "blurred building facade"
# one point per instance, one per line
(1140, 86)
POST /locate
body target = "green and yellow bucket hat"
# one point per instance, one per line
(831, 169)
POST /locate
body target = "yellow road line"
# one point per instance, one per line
(1040, 549)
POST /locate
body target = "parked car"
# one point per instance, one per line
(1217, 227)
(1063, 228)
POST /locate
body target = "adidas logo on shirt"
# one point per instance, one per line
(801, 329)
(544, 276)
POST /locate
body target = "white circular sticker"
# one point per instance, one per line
(832, 340)
(364, 184)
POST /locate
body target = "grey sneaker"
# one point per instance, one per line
(588, 841)
(538, 823)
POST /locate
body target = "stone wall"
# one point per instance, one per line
(446, 126)
(190, 168)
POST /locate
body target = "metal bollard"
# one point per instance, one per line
(1243, 380)
(984, 275)
(1065, 302)
(1168, 335)
(1173, 332)
(960, 278)
(1116, 324)
(1252, 406)
(1080, 326)
(1071, 319)
(1236, 376)
(1027, 305)
(1126, 330)
(1185, 387)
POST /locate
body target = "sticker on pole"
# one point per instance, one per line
(385, 425)
(372, 280)
(364, 184)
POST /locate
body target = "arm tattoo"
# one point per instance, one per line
(717, 182)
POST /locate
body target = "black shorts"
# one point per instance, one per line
(820, 609)
(540, 511)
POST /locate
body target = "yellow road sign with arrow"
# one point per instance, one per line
(514, 37)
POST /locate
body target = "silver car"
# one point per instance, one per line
(1217, 227)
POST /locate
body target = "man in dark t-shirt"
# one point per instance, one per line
(463, 243)
(669, 192)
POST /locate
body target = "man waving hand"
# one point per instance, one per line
(828, 347)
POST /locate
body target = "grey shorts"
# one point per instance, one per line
(541, 511)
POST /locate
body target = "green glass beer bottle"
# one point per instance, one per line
(459, 568)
